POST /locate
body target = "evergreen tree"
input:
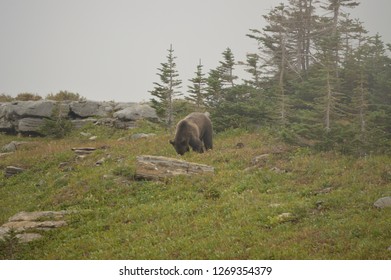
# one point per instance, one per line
(166, 91)
(226, 68)
(214, 89)
(275, 44)
(197, 89)
(253, 67)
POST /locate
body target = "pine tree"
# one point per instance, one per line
(274, 43)
(197, 90)
(226, 68)
(214, 89)
(253, 67)
(166, 91)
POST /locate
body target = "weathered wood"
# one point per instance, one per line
(158, 167)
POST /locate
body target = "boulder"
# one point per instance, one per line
(6, 125)
(383, 202)
(24, 109)
(13, 170)
(85, 109)
(32, 125)
(26, 223)
(10, 147)
(38, 215)
(158, 167)
(142, 135)
(136, 112)
(28, 116)
(79, 123)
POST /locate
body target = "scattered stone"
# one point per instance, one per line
(275, 205)
(10, 147)
(277, 170)
(383, 202)
(239, 145)
(20, 226)
(13, 170)
(285, 217)
(39, 215)
(25, 223)
(85, 134)
(260, 160)
(28, 237)
(83, 150)
(93, 138)
(63, 164)
(100, 162)
(158, 167)
(323, 191)
(108, 177)
(142, 135)
(5, 154)
(389, 248)
(319, 204)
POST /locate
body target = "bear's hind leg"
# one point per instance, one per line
(196, 145)
(208, 141)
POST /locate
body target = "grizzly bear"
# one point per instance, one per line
(195, 131)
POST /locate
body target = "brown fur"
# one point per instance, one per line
(193, 131)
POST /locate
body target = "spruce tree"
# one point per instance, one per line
(166, 91)
(214, 88)
(226, 68)
(197, 90)
(254, 68)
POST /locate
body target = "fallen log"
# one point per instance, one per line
(158, 167)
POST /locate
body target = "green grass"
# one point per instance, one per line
(235, 214)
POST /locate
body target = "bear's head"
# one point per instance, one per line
(181, 146)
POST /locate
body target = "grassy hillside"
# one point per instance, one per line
(289, 204)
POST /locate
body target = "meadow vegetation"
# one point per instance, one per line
(294, 203)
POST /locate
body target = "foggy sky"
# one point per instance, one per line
(110, 50)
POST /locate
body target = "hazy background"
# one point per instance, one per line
(111, 49)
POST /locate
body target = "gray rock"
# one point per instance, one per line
(10, 147)
(136, 112)
(33, 125)
(142, 135)
(79, 123)
(383, 202)
(85, 109)
(6, 125)
(33, 221)
(38, 215)
(85, 134)
(20, 226)
(13, 170)
(24, 109)
(28, 237)
(123, 105)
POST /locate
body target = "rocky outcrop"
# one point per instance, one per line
(28, 116)
(28, 226)
(383, 202)
(136, 112)
(158, 168)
